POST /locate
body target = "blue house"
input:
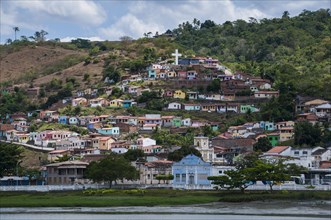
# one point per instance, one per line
(268, 126)
(151, 73)
(188, 61)
(127, 103)
(62, 119)
(192, 107)
(109, 131)
(191, 170)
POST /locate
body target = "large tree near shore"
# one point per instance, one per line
(111, 169)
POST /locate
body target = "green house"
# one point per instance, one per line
(273, 138)
(246, 108)
(176, 122)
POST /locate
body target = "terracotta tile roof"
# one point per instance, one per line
(6, 127)
(277, 149)
(234, 143)
(325, 165)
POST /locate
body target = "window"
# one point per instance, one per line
(183, 177)
(296, 152)
(304, 152)
(220, 171)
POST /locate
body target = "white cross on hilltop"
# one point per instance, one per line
(176, 54)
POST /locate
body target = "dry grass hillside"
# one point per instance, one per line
(31, 60)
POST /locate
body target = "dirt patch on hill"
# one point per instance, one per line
(31, 59)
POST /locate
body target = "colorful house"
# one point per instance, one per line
(190, 171)
(104, 143)
(79, 102)
(266, 94)
(97, 102)
(182, 74)
(176, 122)
(171, 74)
(273, 138)
(116, 103)
(63, 119)
(191, 74)
(207, 107)
(192, 95)
(174, 106)
(127, 103)
(109, 131)
(192, 107)
(213, 96)
(168, 93)
(167, 121)
(286, 133)
(73, 121)
(179, 94)
(268, 126)
(246, 108)
(152, 73)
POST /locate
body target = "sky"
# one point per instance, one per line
(111, 19)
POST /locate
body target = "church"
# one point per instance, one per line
(191, 170)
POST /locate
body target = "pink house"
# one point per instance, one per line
(169, 93)
(182, 74)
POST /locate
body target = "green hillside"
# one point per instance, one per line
(295, 50)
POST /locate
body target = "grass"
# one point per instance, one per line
(146, 198)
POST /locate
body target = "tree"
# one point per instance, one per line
(9, 41)
(16, 29)
(286, 15)
(272, 172)
(77, 110)
(112, 73)
(307, 134)
(165, 178)
(263, 144)
(214, 86)
(10, 155)
(64, 158)
(134, 154)
(234, 179)
(111, 169)
(179, 154)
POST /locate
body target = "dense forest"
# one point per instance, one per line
(281, 49)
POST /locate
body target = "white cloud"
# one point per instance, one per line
(83, 12)
(159, 16)
(8, 20)
(68, 39)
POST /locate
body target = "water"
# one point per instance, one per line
(145, 217)
(259, 210)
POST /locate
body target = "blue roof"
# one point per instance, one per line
(191, 160)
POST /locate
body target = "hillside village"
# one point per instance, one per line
(180, 89)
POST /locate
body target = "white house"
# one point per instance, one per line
(144, 142)
(174, 106)
(73, 121)
(187, 122)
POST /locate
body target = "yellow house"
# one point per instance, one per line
(22, 138)
(105, 143)
(116, 103)
(286, 133)
(179, 94)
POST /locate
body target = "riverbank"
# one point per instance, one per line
(124, 198)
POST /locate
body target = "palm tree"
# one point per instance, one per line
(9, 41)
(16, 29)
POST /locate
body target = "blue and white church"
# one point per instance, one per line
(191, 171)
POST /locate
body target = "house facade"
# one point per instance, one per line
(191, 171)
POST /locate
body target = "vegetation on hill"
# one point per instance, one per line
(281, 49)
